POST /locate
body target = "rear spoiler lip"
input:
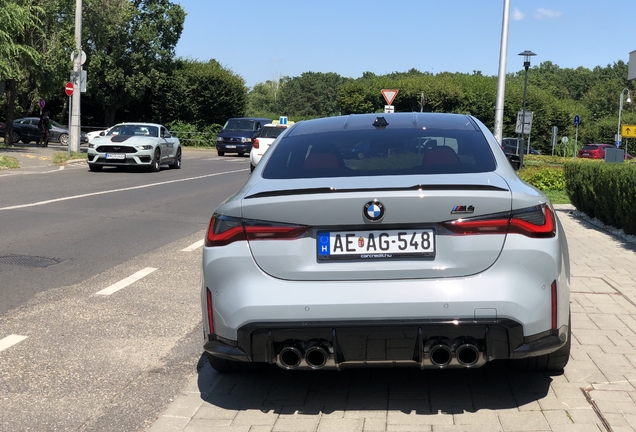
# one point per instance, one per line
(326, 190)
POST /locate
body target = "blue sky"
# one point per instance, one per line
(264, 40)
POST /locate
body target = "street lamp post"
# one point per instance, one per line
(526, 64)
(620, 109)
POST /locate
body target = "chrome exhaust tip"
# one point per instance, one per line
(290, 357)
(467, 355)
(440, 355)
(316, 357)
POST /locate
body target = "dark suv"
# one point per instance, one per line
(238, 135)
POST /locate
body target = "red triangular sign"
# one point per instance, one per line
(389, 95)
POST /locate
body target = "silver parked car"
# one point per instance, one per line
(135, 144)
(429, 253)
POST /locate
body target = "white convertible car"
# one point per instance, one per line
(135, 144)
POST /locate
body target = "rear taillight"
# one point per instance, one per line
(224, 230)
(256, 143)
(537, 221)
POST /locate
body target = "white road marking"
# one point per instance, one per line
(39, 203)
(193, 246)
(10, 340)
(125, 282)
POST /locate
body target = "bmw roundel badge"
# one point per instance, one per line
(373, 211)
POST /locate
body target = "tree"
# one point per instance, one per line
(130, 46)
(16, 19)
(196, 93)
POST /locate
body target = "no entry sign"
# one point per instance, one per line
(69, 89)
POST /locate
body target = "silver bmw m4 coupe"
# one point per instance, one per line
(428, 252)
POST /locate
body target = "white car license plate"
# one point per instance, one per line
(230, 146)
(115, 156)
(362, 245)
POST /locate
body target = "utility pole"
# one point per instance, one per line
(501, 78)
(74, 126)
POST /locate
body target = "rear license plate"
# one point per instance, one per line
(115, 156)
(373, 245)
(230, 146)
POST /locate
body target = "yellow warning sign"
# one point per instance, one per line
(628, 131)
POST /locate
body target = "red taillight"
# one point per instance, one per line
(535, 222)
(256, 144)
(554, 305)
(224, 230)
(210, 316)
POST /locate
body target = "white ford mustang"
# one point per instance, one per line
(135, 144)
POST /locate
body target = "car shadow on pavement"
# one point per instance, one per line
(628, 242)
(496, 385)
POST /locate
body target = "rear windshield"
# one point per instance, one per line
(239, 125)
(271, 132)
(589, 147)
(380, 152)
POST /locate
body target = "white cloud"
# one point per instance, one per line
(546, 13)
(517, 15)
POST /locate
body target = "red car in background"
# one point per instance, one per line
(597, 151)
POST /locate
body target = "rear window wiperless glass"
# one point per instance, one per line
(271, 132)
(380, 152)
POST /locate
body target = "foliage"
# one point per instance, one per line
(60, 158)
(192, 135)
(8, 162)
(130, 47)
(197, 93)
(605, 191)
(544, 178)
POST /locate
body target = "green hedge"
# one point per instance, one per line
(605, 191)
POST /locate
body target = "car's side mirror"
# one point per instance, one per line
(102, 133)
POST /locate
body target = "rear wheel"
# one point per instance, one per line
(16, 137)
(229, 366)
(64, 139)
(95, 168)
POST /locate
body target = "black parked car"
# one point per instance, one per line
(26, 130)
(512, 149)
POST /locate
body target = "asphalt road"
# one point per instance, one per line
(87, 359)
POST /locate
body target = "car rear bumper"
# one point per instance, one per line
(409, 343)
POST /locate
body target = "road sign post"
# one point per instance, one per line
(577, 120)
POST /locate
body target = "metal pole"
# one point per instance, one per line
(74, 125)
(576, 141)
(526, 65)
(618, 129)
(70, 104)
(501, 77)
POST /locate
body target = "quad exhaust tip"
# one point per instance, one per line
(316, 357)
(290, 357)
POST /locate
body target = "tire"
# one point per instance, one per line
(554, 361)
(95, 168)
(177, 161)
(241, 154)
(220, 153)
(222, 365)
(16, 137)
(252, 168)
(25, 141)
(155, 165)
(63, 139)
